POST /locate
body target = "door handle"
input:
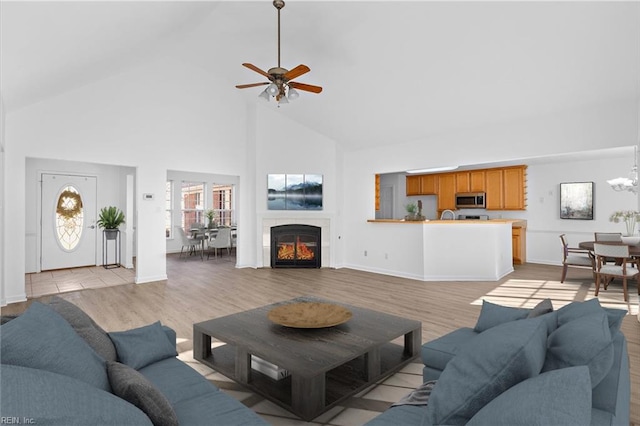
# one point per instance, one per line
(92, 227)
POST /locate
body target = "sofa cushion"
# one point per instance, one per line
(438, 352)
(86, 327)
(42, 339)
(559, 397)
(585, 340)
(142, 346)
(494, 361)
(46, 398)
(615, 317)
(132, 386)
(493, 314)
(216, 409)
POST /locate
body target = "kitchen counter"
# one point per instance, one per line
(441, 250)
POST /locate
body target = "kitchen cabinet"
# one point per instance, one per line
(493, 189)
(514, 184)
(463, 182)
(428, 184)
(413, 185)
(519, 244)
(476, 181)
(377, 192)
(506, 188)
(446, 191)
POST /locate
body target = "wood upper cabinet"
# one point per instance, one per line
(422, 185)
(428, 184)
(413, 185)
(493, 188)
(463, 182)
(506, 188)
(377, 192)
(514, 183)
(477, 181)
(447, 191)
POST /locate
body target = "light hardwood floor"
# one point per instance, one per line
(196, 291)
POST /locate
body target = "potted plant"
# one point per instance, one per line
(110, 219)
(630, 218)
(411, 209)
(211, 215)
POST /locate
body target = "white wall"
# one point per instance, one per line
(601, 127)
(2, 184)
(283, 146)
(160, 116)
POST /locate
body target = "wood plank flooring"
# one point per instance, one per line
(197, 291)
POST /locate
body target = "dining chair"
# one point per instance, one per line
(606, 271)
(607, 236)
(573, 256)
(221, 240)
(191, 243)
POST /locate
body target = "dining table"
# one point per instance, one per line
(634, 249)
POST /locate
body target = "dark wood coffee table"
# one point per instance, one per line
(327, 365)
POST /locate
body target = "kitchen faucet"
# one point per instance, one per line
(453, 215)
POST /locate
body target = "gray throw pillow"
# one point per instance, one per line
(42, 339)
(86, 327)
(493, 314)
(489, 364)
(142, 346)
(560, 397)
(541, 308)
(133, 387)
(583, 341)
(578, 309)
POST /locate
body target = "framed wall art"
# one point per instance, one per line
(576, 200)
(294, 192)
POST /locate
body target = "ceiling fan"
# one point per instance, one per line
(280, 85)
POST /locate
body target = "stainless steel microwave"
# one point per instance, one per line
(471, 200)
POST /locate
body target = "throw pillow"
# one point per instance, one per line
(82, 323)
(42, 339)
(560, 397)
(541, 308)
(615, 317)
(578, 309)
(142, 346)
(493, 314)
(484, 368)
(133, 387)
(583, 341)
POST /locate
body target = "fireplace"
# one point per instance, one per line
(295, 246)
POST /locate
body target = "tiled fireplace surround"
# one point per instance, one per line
(325, 245)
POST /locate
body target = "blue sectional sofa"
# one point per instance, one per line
(60, 368)
(524, 367)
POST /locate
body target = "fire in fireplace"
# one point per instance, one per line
(295, 246)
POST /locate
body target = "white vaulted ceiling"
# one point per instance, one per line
(392, 71)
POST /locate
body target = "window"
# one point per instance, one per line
(168, 201)
(69, 218)
(192, 204)
(222, 203)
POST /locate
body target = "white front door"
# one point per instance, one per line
(68, 221)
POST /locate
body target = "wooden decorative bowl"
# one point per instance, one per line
(309, 315)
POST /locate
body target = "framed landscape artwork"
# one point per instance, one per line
(576, 200)
(294, 192)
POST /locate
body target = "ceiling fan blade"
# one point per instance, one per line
(297, 72)
(305, 87)
(244, 86)
(256, 69)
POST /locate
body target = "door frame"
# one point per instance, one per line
(39, 211)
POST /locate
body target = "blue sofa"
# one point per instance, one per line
(524, 367)
(60, 368)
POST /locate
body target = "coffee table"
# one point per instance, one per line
(326, 365)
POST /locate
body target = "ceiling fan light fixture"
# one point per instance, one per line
(283, 100)
(293, 94)
(272, 89)
(265, 95)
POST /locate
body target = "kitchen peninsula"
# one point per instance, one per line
(448, 250)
